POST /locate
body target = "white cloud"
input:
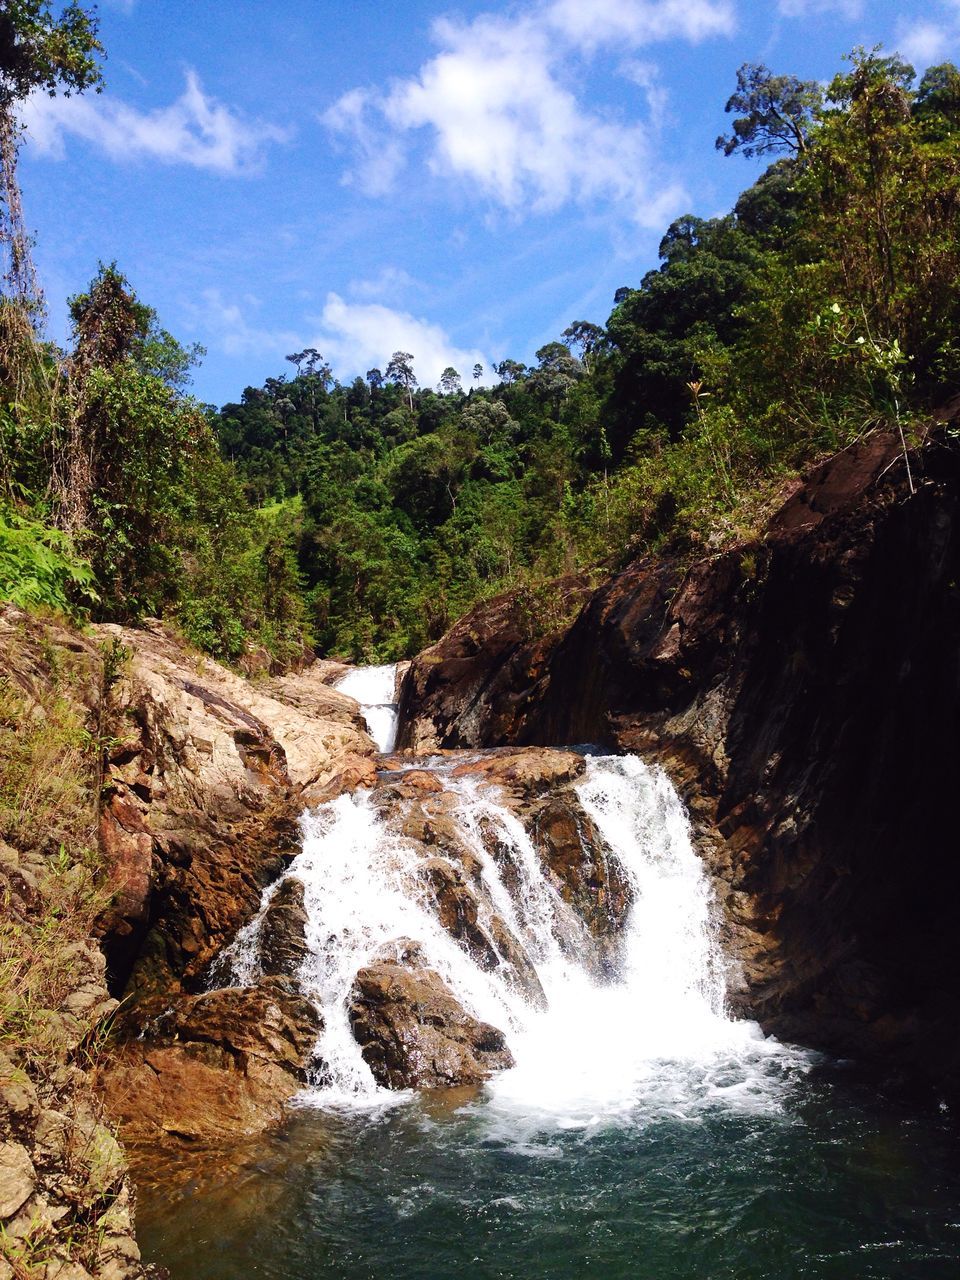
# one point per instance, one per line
(497, 107)
(639, 22)
(389, 285)
(380, 156)
(923, 43)
(849, 9)
(231, 327)
(195, 130)
(355, 337)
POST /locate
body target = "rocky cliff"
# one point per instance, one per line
(803, 690)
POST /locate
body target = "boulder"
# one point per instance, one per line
(414, 1034)
(214, 1066)
(283, 943)
(526, 773)
(588, 877)
(17, 1178)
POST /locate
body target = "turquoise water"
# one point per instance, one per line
(816, 1174)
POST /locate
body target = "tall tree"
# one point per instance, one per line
(38, 51)
(400, 371)
(776, 112)
(450, 381)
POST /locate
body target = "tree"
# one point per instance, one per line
(450, 382)
(37, 51)
(400, 371)
(584, 335)
(777, 112)
(937, 102)
(556, 373)
(375, 378)
(510, 371)
(477, 371)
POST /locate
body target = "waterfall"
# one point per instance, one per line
(375, 689)
(598, 1047)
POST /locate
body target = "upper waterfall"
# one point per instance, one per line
(375, 689)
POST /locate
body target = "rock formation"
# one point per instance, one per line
(414, 1035)
(212, 1066)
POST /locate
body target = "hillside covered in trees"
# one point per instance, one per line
(362, 519)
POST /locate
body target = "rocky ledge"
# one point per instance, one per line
(803, 691)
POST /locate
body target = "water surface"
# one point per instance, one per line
(831, 1182)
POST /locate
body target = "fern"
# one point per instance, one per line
(39, 566)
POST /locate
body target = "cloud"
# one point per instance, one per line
(380, 157)
(231, 327)
(923, 43)
(639, 22)
(355, 337)
(849, 9)
(195, 130)
(389, 285)
(496, 107)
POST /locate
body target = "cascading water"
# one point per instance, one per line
(597, 1048)
(375, 689)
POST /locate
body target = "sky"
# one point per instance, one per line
(460, 183)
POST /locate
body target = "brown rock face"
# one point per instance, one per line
(205, 785)
(414, 1035)
(804, 693)
(283, 945)
(588, 877)
(213, 1066)
(465, 690)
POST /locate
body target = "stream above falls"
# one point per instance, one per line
(640, 1132)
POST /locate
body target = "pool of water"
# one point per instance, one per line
(817, 1174)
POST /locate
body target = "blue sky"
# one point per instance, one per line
(359, 177)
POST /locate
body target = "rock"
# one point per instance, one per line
(492, 947)
(527, 773)
(283, 944)
(207, 771)
(588, 878)
(18, 1096)
(470, 685)
(311, 691)
(413, 1034)
(17, 1178)
(212, 1066)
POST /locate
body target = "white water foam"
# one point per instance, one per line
(375, 689)
(655, 1040)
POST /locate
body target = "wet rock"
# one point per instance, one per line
(212, 1066)
(589, 878)
(207, 771)
(527, 773)
(491, 945)
(414, 1034)
(283, 944)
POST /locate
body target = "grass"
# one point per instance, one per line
(56, 713)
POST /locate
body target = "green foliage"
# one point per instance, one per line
(777, 112)
(41, 51)
(39, 566)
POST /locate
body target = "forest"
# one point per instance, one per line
(361, 519)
